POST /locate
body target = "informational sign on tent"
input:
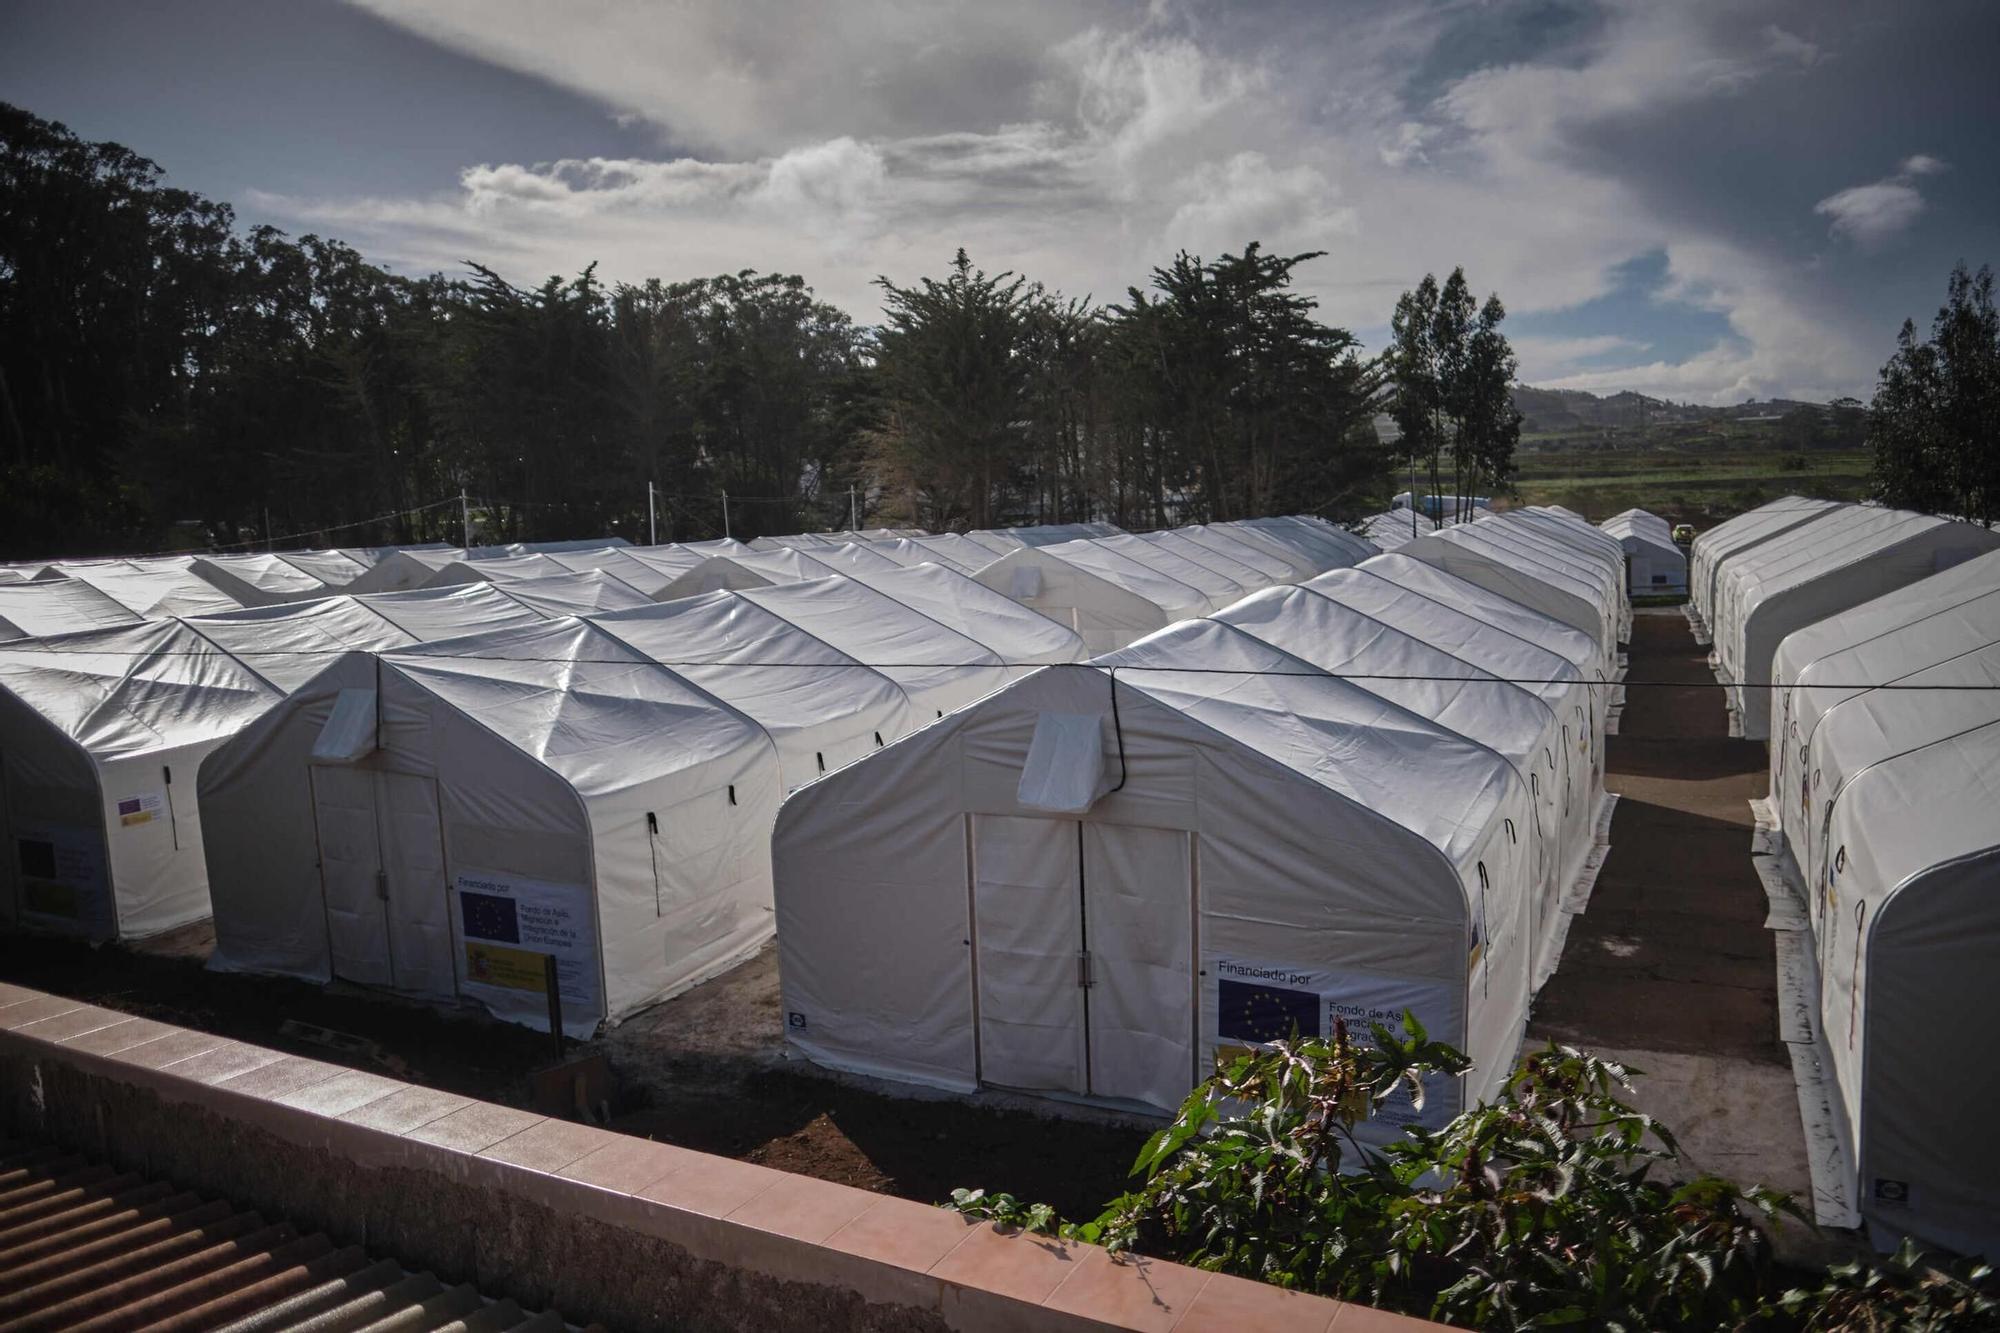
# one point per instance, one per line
(1258, 1001)
(511, 924)
(64, 884)
(141, 809)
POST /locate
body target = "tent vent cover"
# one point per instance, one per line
(1064, 773)
(349, 733)
(1025, 581)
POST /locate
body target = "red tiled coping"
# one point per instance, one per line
(671, 1234)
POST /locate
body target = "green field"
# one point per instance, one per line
(1701, 487)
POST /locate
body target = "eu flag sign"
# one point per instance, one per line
(1257, 1011)
(489, 917)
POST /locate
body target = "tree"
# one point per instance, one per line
(1452, 373)
(1933, 422)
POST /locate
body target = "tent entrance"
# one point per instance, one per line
(382, 877)
(1085, 958)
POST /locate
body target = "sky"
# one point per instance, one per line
(1703, 200)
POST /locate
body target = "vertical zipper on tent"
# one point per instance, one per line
(653, 850)
(1083, 978)
(173, 821)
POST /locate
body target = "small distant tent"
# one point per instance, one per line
(45, 607)
(1247, 843)
(1723, 542)
(747, 569)
(1818, 570)
(100, 736)
(939, 669)
(1022, 638)
(1578, 547)
(440, 824)
(1655, 565)
(1472, 555)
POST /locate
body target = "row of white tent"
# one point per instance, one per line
(1794, 562)
(1369, 793)
(98, 720)
(1885, 784)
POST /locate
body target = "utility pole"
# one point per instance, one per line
(725, 515)
(853, 515)
(465, 516)
(652, 521)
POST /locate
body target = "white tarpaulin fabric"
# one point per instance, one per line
(1820, 569)
(100, 736)
(1020, 637)
(1064, 772)
(1322, 544)
(44, 607)
(823, 710)
(747, 569)
(519, 806)
(497, 569)
(404, 569)
(576, 594)
(1217, 588)
(262, 580)
(1273, 566)
(939, 669)
(1655, 564)
(1104, 613)
(858, 557)
(155, 588)
(618, 562)
(968, 552)
(1714, 548)
(1474, 556)
(1407, 894)
(1175, 599)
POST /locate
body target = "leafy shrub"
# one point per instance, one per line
(1910, 1295)
(1538, 1208)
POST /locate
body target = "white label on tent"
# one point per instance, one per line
(510, 924)
(1257, 1002)
(64, 886)
(141, 809)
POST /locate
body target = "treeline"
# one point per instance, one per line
(168, 376)
(1934, 422)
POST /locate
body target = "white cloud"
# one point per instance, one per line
(1544, 358)
(1872, 214)
(1082, 144)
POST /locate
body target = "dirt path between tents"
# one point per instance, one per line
(1670, 969)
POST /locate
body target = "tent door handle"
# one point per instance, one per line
(1083, 976)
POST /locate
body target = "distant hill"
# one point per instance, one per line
(1555, 411)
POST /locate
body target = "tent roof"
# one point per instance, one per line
(291, 642)
(430, 614)
(848, 557)
(1174, 598)
(1819, 548)
(576, 594)
(156, 589)
(1162, 558)
(1437, 784)
(771, 670)
(498, 569)
(1389, 662)
(1522, 622)
(58, 606)
(136, 688)
(268, 575)
(582, 703)
(967, 551)
(1017, 633)
(1273, 567)
(619, 561)
(1245, 575)
(1522, 559)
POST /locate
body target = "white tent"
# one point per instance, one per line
(1825, 567)
(441, 823)
(905, 551)
(939, 669)
(1256, 847)
(58, 606)
(1218, 588)
(1022, 638)
(497, 569)
(155, 588)
(970, 552)
(1327, 547)
(1469, 553)
(1450, 692)
(335, 568)
(618, 561)
(857, 558)
(288, 644)
(1655, 565)
(1246, 573)
(577, 594)
(1595, 560)
(431, 614)
(100, 736)
(1103, 612)
(1818, 669)
(1716, 547)
(1274, 566)
(1577, 647)
(263, 579)
(401, 570)
(1478, 638)
(1905, 857)
(821, 708)
(747, 569)
(1176, 600)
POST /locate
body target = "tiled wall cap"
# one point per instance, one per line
(798, 1228)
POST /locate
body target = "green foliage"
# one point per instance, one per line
(1539, 1208)
(1451, 373)
(1910, 1295)
(1935, 417)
